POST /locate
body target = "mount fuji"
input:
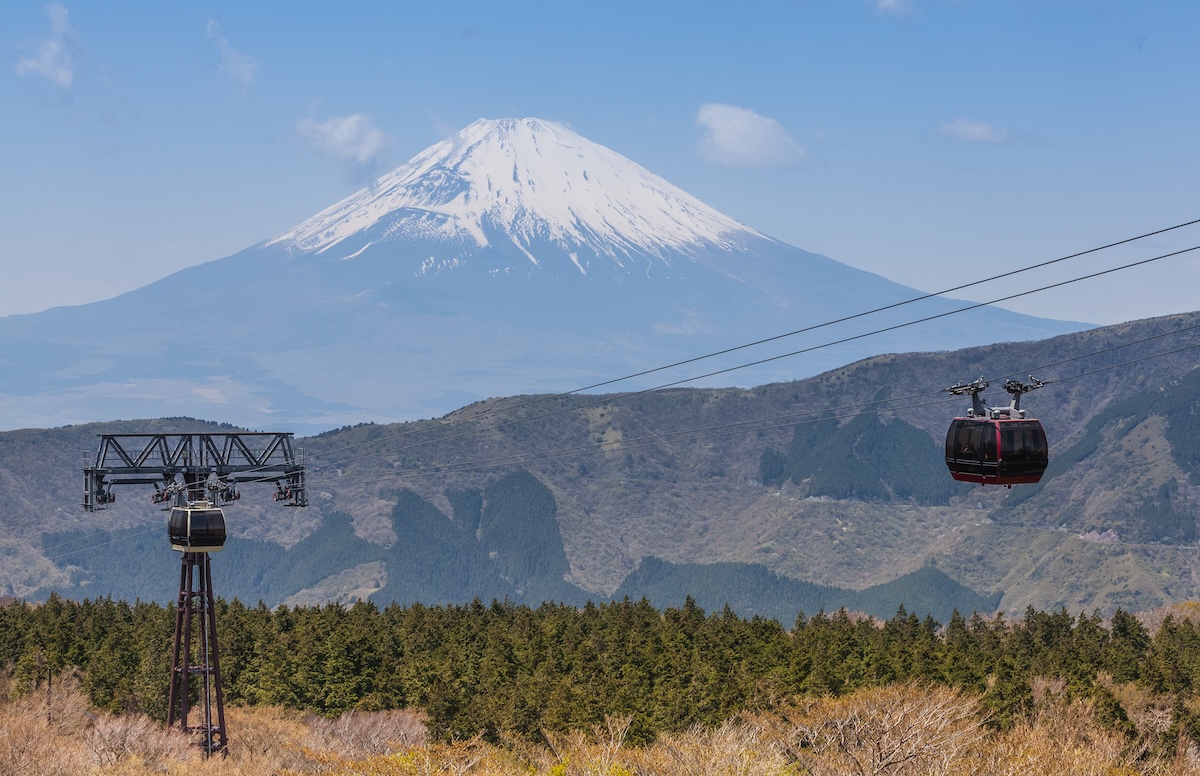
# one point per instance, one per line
(513, 257)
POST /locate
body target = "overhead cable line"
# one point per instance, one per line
(114, 540)
(617, 397)
(1102, 351)
(701, 434)
(1041, 368)
(36, 553)
(638, 443)
(804, 330)
(438, 468)
(884, 308)
(61, 526)
(541, 399)
(683, 381)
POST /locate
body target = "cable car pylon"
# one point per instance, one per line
(195, 474)
(196, 607)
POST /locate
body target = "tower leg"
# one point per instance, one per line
(216, 733)
(196, 602)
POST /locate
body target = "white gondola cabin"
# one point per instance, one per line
(198, 527)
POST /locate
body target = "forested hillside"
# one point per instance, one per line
(836, 481)
(755, 591)
(863, 459)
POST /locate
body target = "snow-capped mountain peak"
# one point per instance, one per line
(513, 258)
(524, 182)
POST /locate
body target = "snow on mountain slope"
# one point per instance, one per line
(532, 181)
(515, 257)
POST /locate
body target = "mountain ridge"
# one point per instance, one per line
(1105, 529)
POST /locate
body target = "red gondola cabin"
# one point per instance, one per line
(996, 445)
(996, 452)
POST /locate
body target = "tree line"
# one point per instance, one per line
(511, 670)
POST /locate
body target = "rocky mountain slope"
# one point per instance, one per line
(470, 503)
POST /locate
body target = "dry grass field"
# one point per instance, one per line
(904, 730)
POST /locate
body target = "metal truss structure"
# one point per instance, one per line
(189, 470)
(194, 466)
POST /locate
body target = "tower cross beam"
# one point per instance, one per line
(186, 464)
(243, 456)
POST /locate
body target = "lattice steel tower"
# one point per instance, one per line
(193, 474)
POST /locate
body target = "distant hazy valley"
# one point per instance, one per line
(733, 495)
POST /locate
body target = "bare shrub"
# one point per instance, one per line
(459, 758)
(901, 729)
(1152, 619)
(66, 708)
(1059, 738)
(1150, 714)
(601, 754)
(265, 739)
(30, 747)
(744, 747)
(358, 734)
(115, 739)
(40, 733)
(456, 759)
(8, 687)
(1047, 688)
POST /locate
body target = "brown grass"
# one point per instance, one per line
(897, 731)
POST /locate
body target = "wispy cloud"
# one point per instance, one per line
(739, 137)
(352, 141)
(241, 68)
(970, 131)
(58, 53)
(892, 7)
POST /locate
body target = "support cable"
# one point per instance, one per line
(807, 329)
(617, 397)
(700, 434)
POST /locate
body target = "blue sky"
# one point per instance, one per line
(931, 141)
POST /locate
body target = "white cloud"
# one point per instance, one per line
(739, 137)
(238, 66)
(970, 131)
(352, 141)
(57, 54)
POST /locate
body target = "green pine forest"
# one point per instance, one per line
(508, 670)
